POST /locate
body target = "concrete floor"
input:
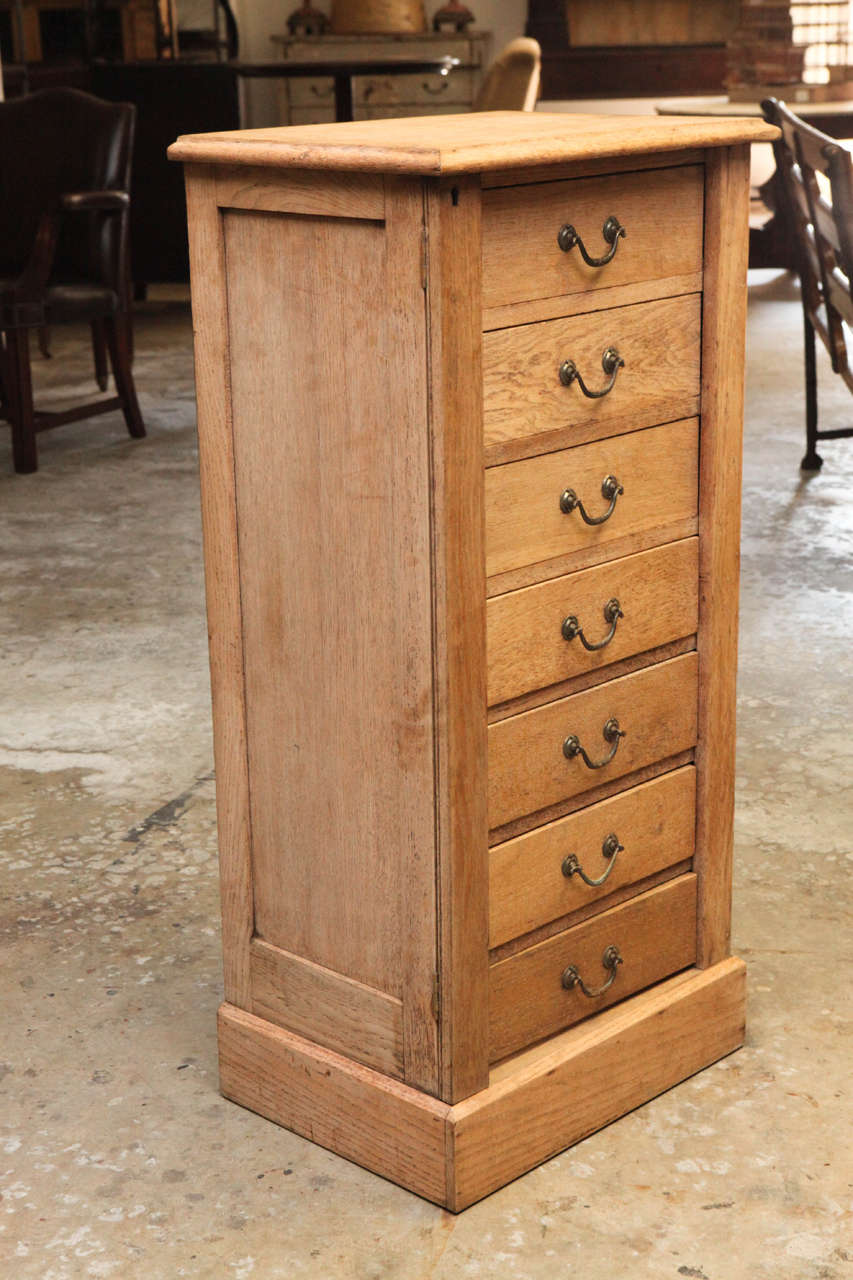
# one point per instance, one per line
(117, 1156)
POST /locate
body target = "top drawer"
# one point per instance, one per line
(661, 211)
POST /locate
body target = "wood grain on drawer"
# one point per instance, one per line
(658, 469)
(528, 770)
(661, 212)
(659, 342)
(527, 648)
(654, 823)
(655, 934)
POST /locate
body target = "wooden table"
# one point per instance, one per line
(344, 72)
(771, 243)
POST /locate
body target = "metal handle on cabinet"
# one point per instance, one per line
(610, 488)
(567, 238)
(571, 977)
(611, 363)
(442, 88)
(610, 732)
(609, 849)
(571, 628)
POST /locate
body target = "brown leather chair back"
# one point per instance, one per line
(52, 143)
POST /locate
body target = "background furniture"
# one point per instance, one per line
(171, 98)
(628, 48)
(823, 238)
(512, 81)
(63, 246)
(345, 75)
(474, 726)
(771, 240)
(312, 101)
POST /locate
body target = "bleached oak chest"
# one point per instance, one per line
(470, 397)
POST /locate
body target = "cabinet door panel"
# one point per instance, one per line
(334, 576)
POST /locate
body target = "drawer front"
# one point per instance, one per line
(380, 91)
(656, 709)
(621, 840)
(661, 211)
(366, 49)
(659, 343)
(658, 470)
(655, 935)
(537, 636)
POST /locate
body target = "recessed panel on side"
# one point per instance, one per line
(333, 525)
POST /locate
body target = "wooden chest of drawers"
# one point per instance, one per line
(471, 511)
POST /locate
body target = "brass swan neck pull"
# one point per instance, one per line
(610, 488)
(611, 848)
(611, 363)
(567, 238)
(571, 628)
(571, 977)
(611, 733)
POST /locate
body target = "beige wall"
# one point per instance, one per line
(259, 19)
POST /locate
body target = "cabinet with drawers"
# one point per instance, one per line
(470, 395)
(311, 100)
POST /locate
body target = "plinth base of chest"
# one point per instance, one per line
(537, 1103)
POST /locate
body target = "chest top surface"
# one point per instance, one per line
(471, 143)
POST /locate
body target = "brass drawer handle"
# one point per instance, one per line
(610, 488)
(610, 849)
(567, 238)
(442, 88)
(572, 628)
(611, 733)
(611, 961)
(611, 363)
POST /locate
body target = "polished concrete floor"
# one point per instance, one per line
(119, 1159)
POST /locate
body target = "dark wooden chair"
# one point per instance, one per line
(821, 228)
(64, 211)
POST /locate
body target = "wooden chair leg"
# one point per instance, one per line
(44, 340)
(117, 330)
(812, 460)
(20, 397)
(99, 351)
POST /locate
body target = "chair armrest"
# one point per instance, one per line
(86, 201)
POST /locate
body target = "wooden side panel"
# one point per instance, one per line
(655, 823)
(655, 934)
(222, 578)
(460, 630)
(355, 195)
(553, 1096)
(332, 469)
(418, 864)
(723, 329)
(521, 256)
(659, 342)
(657, 469)
(655, 708)
(657, 593)
(386, 1126)
(333, 1010)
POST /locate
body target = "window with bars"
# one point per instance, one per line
(822, 30)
